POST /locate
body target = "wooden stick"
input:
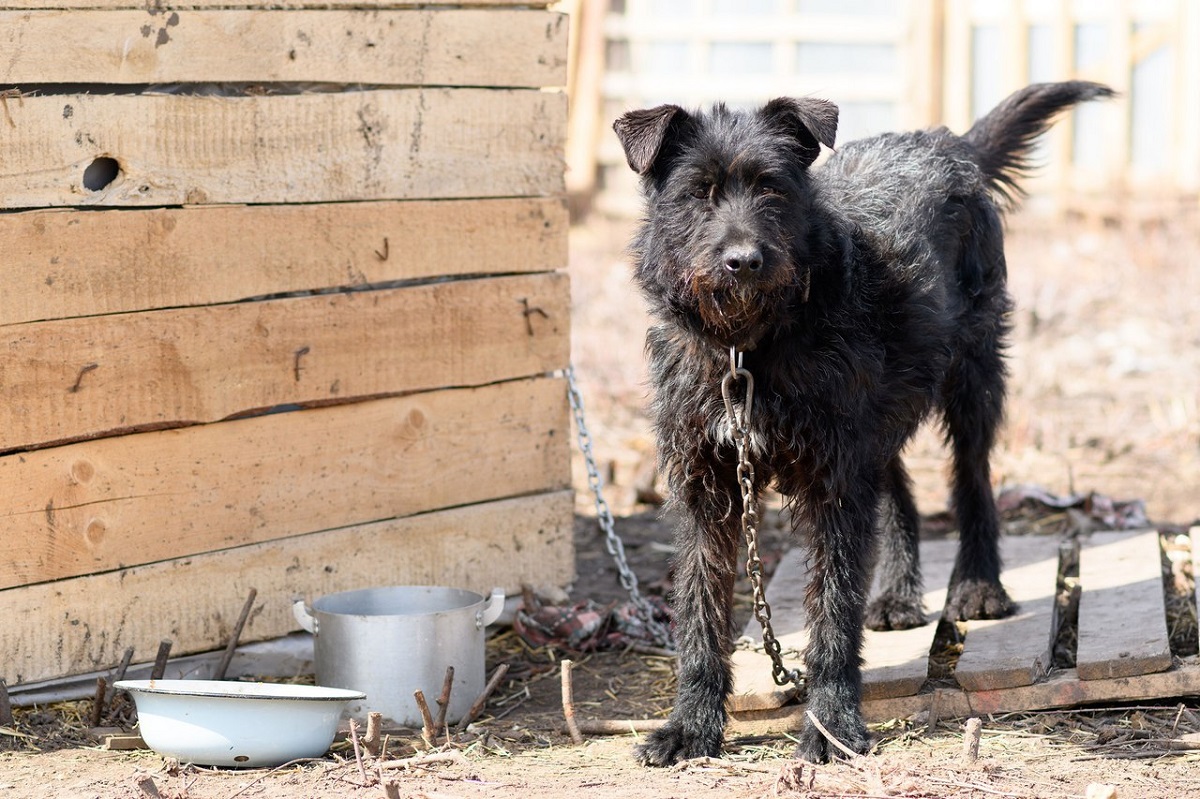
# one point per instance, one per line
(148, 788)
(98, 701)
(444, 700)
(6, 716)
(481, 700)
(618, 726)
(971, 739)
(452, 756)
(122, 667)
(568, 702)
(372, 740)
(362, 770)
(428, 733)
(850, 753)
(160, 661)
(227, 657)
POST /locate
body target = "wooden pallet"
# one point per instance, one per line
(1005, 666)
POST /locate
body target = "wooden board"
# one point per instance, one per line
(163, 5)
(82, 378)
(895, 663)
(112, 503)
(366, 145)
(1122, 620)
(85, 623)
(753, 686)
(61, 263)
(445, 47)
(1062, 689)
(1005, 653)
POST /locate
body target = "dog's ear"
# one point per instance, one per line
(810, 121)
(643, 133)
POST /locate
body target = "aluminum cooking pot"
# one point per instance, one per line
(388, 642)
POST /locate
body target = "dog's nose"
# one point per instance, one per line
(743, 260)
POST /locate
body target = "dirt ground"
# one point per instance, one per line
(1104, 397)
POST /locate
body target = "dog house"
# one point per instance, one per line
(283, 308)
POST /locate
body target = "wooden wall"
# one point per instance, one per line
(281, 306)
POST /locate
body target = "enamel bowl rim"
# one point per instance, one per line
(234, 689)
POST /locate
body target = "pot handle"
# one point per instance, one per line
(492, 610)
(303, 617)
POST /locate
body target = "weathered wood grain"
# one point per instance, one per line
(165, 5)
(85, 623)
(1006, 653)
(363, 145)
(108, 504)
(1062, 689)
(443, 47)
(896, 662)
(754, 687)
(82, 378)
(60, 263)
(1122, 616)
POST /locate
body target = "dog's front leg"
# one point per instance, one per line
(706, 545)
(841, 527)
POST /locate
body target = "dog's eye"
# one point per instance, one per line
(705, 191)
(770, 192)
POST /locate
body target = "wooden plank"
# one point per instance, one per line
(1122, 618)
(368, 145)
(1061, 689)
(753, 686)
(1005, 653)
(81, 378)
(444, 47)
(61, 263)
(86, 623)
(116, 502)
(1194, 535)
(163, 6)
(896, 662)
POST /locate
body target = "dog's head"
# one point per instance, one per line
(722, 247)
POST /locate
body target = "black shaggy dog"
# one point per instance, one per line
(863, 294)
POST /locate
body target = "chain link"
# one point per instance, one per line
(604, 517)
(739, 429)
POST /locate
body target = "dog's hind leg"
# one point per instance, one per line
(707, 500)
(973, 397)
(898, 606)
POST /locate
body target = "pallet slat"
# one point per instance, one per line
(82, 378)
(165, 6)
(1122, 618)
(445, 47)
(365, 145)
(1060, 690)
(753, 686)
(62, 263)
(87, 622)
(896, 662)
(112, 503)
(1006, 653)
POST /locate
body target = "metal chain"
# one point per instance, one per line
(604, 517)
(739, 429)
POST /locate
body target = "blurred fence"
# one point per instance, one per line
(894, 64)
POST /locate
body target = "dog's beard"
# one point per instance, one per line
(737, 313)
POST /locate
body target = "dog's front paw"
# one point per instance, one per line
(978, 599)
(895, 613)
(675, 742)
(847, 728)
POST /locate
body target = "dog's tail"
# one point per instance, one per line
(1003, 138)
